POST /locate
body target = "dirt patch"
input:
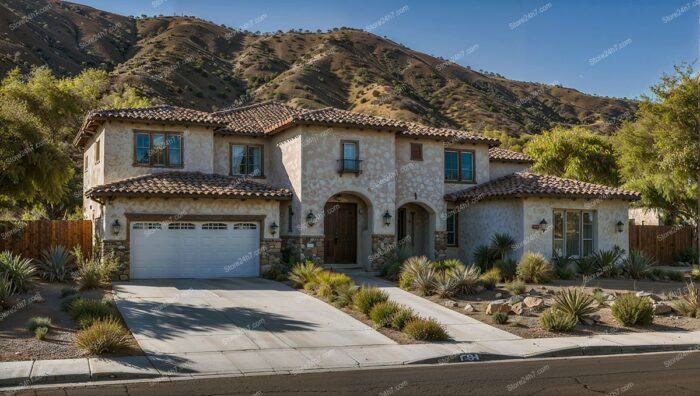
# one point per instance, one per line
(17, 343)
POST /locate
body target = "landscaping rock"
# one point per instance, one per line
(533, 292)
(499, 295)
(587, 321)
(498, 306)
(450, 304)
(469, 308)
(533, 302)
(551, 292)
(610, 297)
(517, 308)
(662, 309)
(595, 317)
(515, 299)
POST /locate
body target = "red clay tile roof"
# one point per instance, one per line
(270, 117)
(503, 155)
(526, 184)
(189, 184)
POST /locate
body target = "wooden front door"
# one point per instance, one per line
(340, 231)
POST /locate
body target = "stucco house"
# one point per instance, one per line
(180, 193)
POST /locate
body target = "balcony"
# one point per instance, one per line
(350, 166)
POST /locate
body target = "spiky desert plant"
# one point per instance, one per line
(508, 268)
(557, 321)
(533, 267)
(689, 304)
(490, 278)
(483, 257)
(562, 265)
(383, 313)
(574, 302)
(328, 283)
(424, 281)
(19, 271)
(606, 262)
(368, 297)
(410, 268)
(585, 266)
(446, 265)
(5, 291)
(425, 330)
(499, 317)
(303, 273)
(55, 264)
(637, 264)
(501, 245)
(344, 294)
(630, 310)
(466, 279)
(444, 285)
(401, 317)
(103, 336)
(516, 287)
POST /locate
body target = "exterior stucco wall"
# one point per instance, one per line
(222, 153)
(93, 175)
(499, 169)
(481, 165)
(285, 171)
(607, 214)
(478, 223)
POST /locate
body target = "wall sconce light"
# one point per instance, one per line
(311, 219)
(387, 218)
(543, 225)
(116, 227)
(273, 228)
(620, 226)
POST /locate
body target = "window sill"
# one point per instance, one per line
(247, 176)
(460, 182)
(137, 165)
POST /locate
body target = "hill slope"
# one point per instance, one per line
(194, 63)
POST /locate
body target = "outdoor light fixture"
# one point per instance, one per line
(387, 218)
(619, 227)
(116, 227)
(273, 228)
(543, 225)
(310, 219)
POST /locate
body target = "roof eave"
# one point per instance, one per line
(276, 197)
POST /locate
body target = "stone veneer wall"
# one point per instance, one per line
(270, 253)
(299, 250)
(383, 250)
(121, 250)
(440, 245)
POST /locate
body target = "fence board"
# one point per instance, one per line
(663, 243)
(30, 238)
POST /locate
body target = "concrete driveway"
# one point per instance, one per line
(235, 325)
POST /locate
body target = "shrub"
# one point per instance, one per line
(425, 330)
(598, 295)
(19, 271)
(444, 285)
(501, 245)
(585, 266)
(562, 265)
(95, 273)
(466, 279)
(516, 287)
(67, 291)
(304, 273)
(383, 313)
(344, 294)
(391, 270)
(327, 283)
(368, 297)
(40, 332)
(38, 321)
(631, 310)
(67, 301)
(508, 268)
(688, 255)
(86, 311)
(675, 276)
(557, 321)
(500, 317)
(5, 291)
(55, 264)
(637, 265)
(446, 265)
(533, 267)
(103, 336)
(424, 281)
(606, 262)
(401, 317)
(574, 302)
(689, 304)
(410, 268)
(694, 273)
(483, 257)
(490, 278)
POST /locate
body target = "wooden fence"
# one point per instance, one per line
(663, 243)
(30, 238)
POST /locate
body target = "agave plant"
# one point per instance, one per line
(466, 279)
(574, 302)
(444, 285)
(20, 271)
(606, 262)
(585, 266)
(55, 264)
(424, 280)
(637, 264)
(410, 268)
(501, 245)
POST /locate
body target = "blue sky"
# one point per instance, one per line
(612, 48)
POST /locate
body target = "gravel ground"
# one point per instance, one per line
(17, 343)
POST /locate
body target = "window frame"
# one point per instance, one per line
(459, 166)
(455, 215)
(416, 148)
(356, 143)
(98, 151)
(581, 238)
(245, 146)
(166, 151)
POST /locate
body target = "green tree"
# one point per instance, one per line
(575, 153)
(658, 152)
(508, 142)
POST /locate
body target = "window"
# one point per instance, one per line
(85, 164)
(290, 218)
(573, 232)
(416, 152)
(349, 156)
(158, 149)
(245, 226)
(459, 166)
(146, 226)
(214, 226)
(181, 226)
(97, 151)
(452, 227)
(246, 160)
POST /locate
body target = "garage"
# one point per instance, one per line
(209, 249)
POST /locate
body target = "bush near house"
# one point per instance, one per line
(425, 330)
(368, 297)
(490, 278)
(574, 302)
(631, 310)
(557, 321)
(96, 271)
(103, 336)
(445, 278)
(637, 265)
(534, 268)
(56, 264)
(383, 313)
(20, 272)
(689, 304)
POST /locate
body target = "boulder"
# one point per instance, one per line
(595, 317)
(533, 292)
(517, 308)
(662, 309)
(498, 306)
(610, 297)
(469, 308)
(515, 299)
(533, 302)
(499, 295)
(588, 321)
(450, 304)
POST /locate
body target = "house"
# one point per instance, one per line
(182, 193)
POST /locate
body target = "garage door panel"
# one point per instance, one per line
(209, 250)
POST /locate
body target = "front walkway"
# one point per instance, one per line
(461, 328)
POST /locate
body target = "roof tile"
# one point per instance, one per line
(503, 155)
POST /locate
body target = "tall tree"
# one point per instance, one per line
(575, 153)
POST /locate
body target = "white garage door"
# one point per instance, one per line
(194, 249)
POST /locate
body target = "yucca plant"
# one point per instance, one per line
(606, 262)
(574, 302)
(410, 268)
(501, 245)
(689, 304)
(466, 279)
(637, 264)
(483, 257)
(557, 321)
(424, 281)
(5, 291)
(303, 273)
(444, 285)
(585, 266)
(19, 271)
(55, 264)
(533, 267)
(446, 265)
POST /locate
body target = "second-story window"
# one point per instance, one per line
(158, 149)
(246, 160)
(459, 166)
(416, 152)
(349, 156)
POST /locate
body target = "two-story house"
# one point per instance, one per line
(180, 193)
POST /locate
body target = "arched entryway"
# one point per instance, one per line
(347, 230)
(415, 230)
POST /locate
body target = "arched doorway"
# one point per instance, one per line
(347, 230)
(415, 230)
